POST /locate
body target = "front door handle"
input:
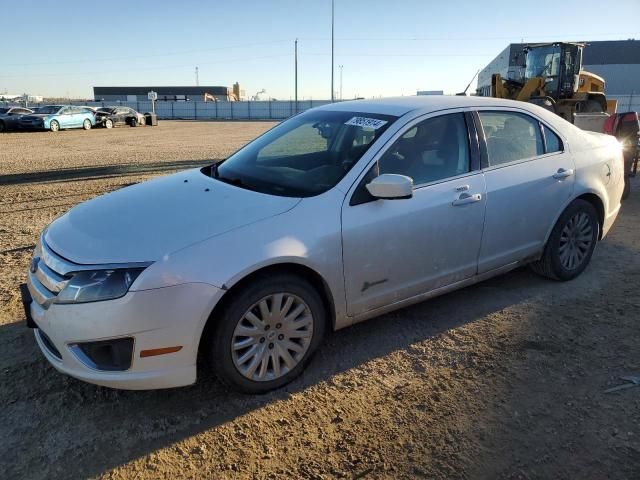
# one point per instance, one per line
(563, 173)
(467, 198)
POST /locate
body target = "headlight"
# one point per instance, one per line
(93, 286)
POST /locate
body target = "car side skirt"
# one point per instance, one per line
(439, 291)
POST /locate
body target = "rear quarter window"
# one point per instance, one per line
(551, 140)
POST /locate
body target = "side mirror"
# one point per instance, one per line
(390, 186)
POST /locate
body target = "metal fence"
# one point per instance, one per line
(267, 110)
(627, 103)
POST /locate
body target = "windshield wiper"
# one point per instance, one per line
(235, 181)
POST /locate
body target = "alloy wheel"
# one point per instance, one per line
(575, 241)
(272, 337)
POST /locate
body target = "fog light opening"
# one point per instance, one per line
(108, 355)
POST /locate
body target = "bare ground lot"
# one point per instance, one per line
(501, 380)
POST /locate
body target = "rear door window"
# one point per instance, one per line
(510, 137)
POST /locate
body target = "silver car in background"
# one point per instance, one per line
(339, 214)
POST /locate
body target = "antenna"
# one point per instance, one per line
(464, 93)
(333, 95)
(197, 79)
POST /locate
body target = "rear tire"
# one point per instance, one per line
(276, 347)
(2, 126)
(133, 122)
(571, 243)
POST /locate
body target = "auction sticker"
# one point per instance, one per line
(366, 122)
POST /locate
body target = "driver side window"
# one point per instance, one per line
(434, 149)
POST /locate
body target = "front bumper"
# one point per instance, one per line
(35, 125)
(159, 318)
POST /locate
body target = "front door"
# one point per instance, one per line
(396, 249)
(65, 117)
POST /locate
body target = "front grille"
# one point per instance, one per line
(47, 275)
(46, 341)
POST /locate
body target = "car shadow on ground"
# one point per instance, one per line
(134, 424)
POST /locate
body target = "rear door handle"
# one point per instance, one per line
(563, 173)
(467, 198)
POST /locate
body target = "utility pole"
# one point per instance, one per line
(332, 22)
(197, 79)
(296, 75)
(340, 67)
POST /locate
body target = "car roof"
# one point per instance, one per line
(399, 106)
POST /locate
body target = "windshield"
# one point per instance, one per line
(106, 109)
(305, 155)
(49, 109)
(543, 62)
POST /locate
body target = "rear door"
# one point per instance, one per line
(529, 177)
(79, 115)
(396, 249)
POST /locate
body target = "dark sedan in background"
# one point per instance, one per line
(110, 117)
(10, 117)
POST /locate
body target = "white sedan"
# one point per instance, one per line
(336, 215)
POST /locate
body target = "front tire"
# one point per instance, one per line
(2, 126)
(86, 125)
(133, 122)
(571, 243)
(266, 335)
(54, 126)
(108, 123)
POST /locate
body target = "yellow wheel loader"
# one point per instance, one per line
(554, 79)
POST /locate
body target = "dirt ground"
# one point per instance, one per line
(503, 380)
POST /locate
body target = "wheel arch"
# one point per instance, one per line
(598, 204)
(600, 98)
(303, 271)
(591, 197)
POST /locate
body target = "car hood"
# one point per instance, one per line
(150, 220)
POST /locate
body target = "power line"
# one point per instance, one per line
(405, 54)
(477, 38)
(136, 57)
(163, 67)
(354, 39)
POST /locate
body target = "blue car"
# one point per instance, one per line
(58, 117)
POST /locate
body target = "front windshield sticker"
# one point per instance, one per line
(365, 122)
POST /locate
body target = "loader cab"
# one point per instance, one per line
(558, 64)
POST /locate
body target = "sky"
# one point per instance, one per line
(386, 47)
